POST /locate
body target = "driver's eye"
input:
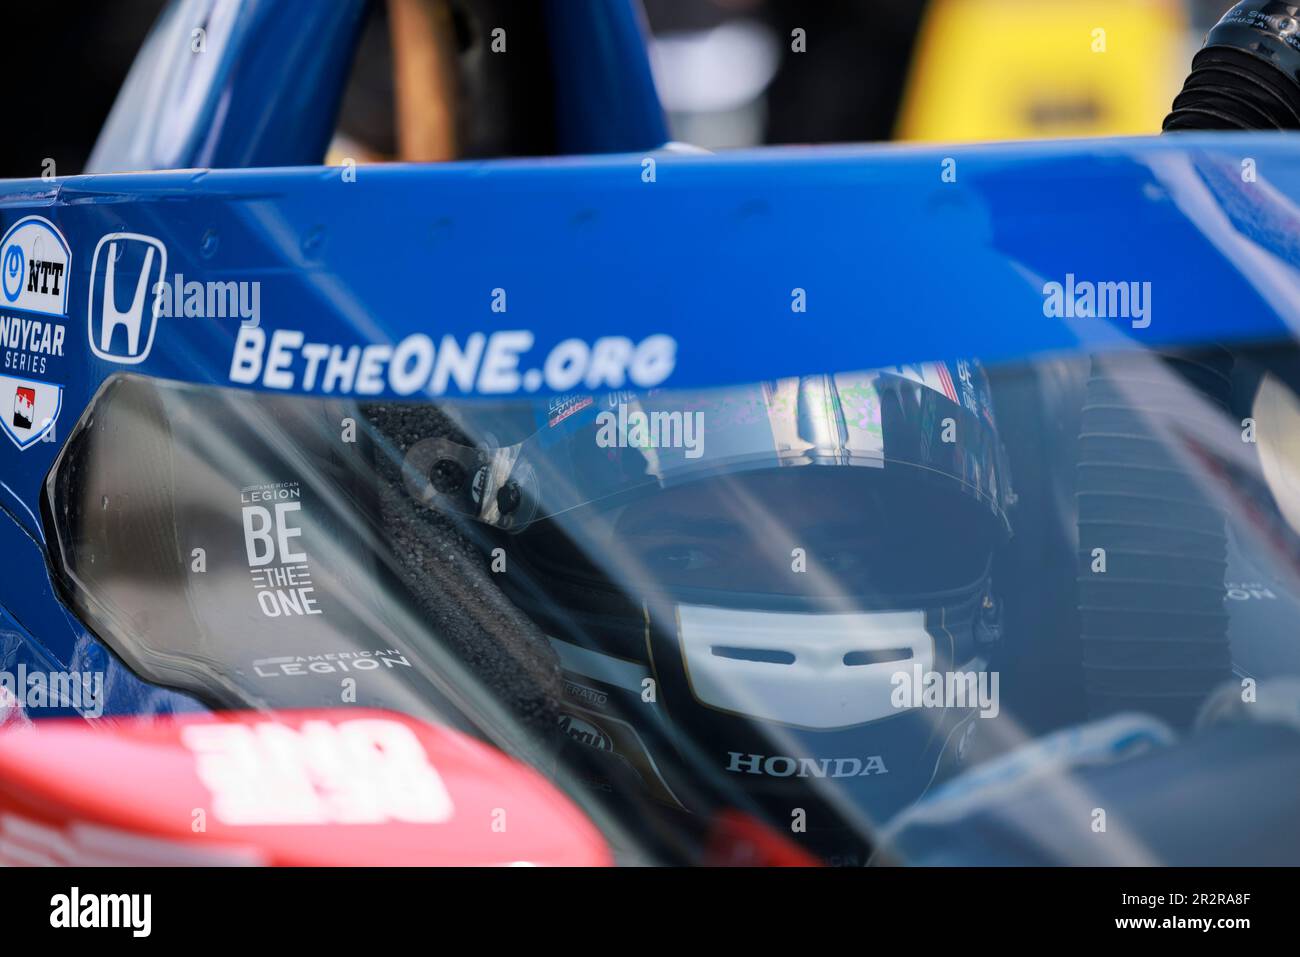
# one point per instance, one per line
(842, 560)
(681, 558)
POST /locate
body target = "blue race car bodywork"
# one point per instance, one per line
(898, 266)
(632, 266)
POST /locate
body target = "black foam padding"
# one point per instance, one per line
(449, 577)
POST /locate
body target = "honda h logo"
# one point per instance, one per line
(123, 312)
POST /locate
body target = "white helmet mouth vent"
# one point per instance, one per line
(772, 656)
(816, 671)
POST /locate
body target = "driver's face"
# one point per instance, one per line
(786, 532)
(805, 530)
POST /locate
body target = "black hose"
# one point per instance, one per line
(1154, 627)
(1247, 77)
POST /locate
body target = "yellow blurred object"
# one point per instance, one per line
(1029, 69)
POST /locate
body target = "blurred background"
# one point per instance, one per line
(731, 73)
(951, 70)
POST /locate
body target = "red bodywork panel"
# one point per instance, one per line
(297, 788)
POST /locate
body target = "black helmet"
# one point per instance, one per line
(761, 581)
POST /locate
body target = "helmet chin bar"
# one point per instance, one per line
(812, 671)
(490, 485)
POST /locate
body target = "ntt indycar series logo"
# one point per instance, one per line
(35, 270)
(494, 364)
(34, 267)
